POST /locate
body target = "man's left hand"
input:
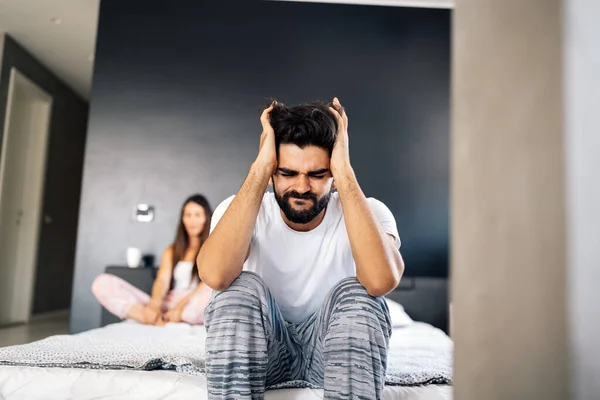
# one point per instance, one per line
(340, 156)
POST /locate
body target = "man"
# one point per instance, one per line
(299, 273)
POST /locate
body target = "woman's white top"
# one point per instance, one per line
(182, 275)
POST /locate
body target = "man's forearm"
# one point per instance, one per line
(221, 257)
(378, 263)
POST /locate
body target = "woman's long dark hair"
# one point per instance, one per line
(182, 239)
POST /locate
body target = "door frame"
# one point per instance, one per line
(21, 306)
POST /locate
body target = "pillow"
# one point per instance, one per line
(397, 314)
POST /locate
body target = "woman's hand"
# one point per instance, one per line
(151, 315)
(173, 315)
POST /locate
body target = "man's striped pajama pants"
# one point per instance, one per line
(342, 347)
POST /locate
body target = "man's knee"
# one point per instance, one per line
(246, 296)
(247, 285)
(249, 280)
(350, 298)
(350, 290)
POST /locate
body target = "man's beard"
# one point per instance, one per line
(301, 216)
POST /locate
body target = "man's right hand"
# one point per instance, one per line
(267, 155)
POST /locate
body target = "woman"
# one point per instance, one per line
(177, 293)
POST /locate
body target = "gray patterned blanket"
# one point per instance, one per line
(419, 354)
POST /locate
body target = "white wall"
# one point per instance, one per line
(582, 141)
(526, 199)
(508, 221)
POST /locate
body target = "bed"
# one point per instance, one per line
(128, 360)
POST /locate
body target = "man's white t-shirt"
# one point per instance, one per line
(301, 267)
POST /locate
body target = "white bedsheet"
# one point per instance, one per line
(32, 383)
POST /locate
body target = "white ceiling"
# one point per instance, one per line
(62, 33)
(390, 3)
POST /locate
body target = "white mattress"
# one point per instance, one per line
(33, 383)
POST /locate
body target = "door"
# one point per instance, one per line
(22, 171)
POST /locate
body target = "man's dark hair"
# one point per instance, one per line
(304, 125)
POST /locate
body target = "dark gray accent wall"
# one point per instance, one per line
(64, 165)
(178, 93)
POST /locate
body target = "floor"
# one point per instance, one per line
(40, 327)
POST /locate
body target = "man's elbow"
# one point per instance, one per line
(214, 281)
(218, 285)
(382, 288)
(377, 292)
(210, 276)
(399, 267)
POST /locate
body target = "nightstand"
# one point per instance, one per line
(142, 278)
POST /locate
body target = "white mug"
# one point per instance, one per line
(134, 257)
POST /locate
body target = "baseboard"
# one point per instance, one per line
(50, 315)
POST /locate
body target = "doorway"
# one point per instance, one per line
(22, 172)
